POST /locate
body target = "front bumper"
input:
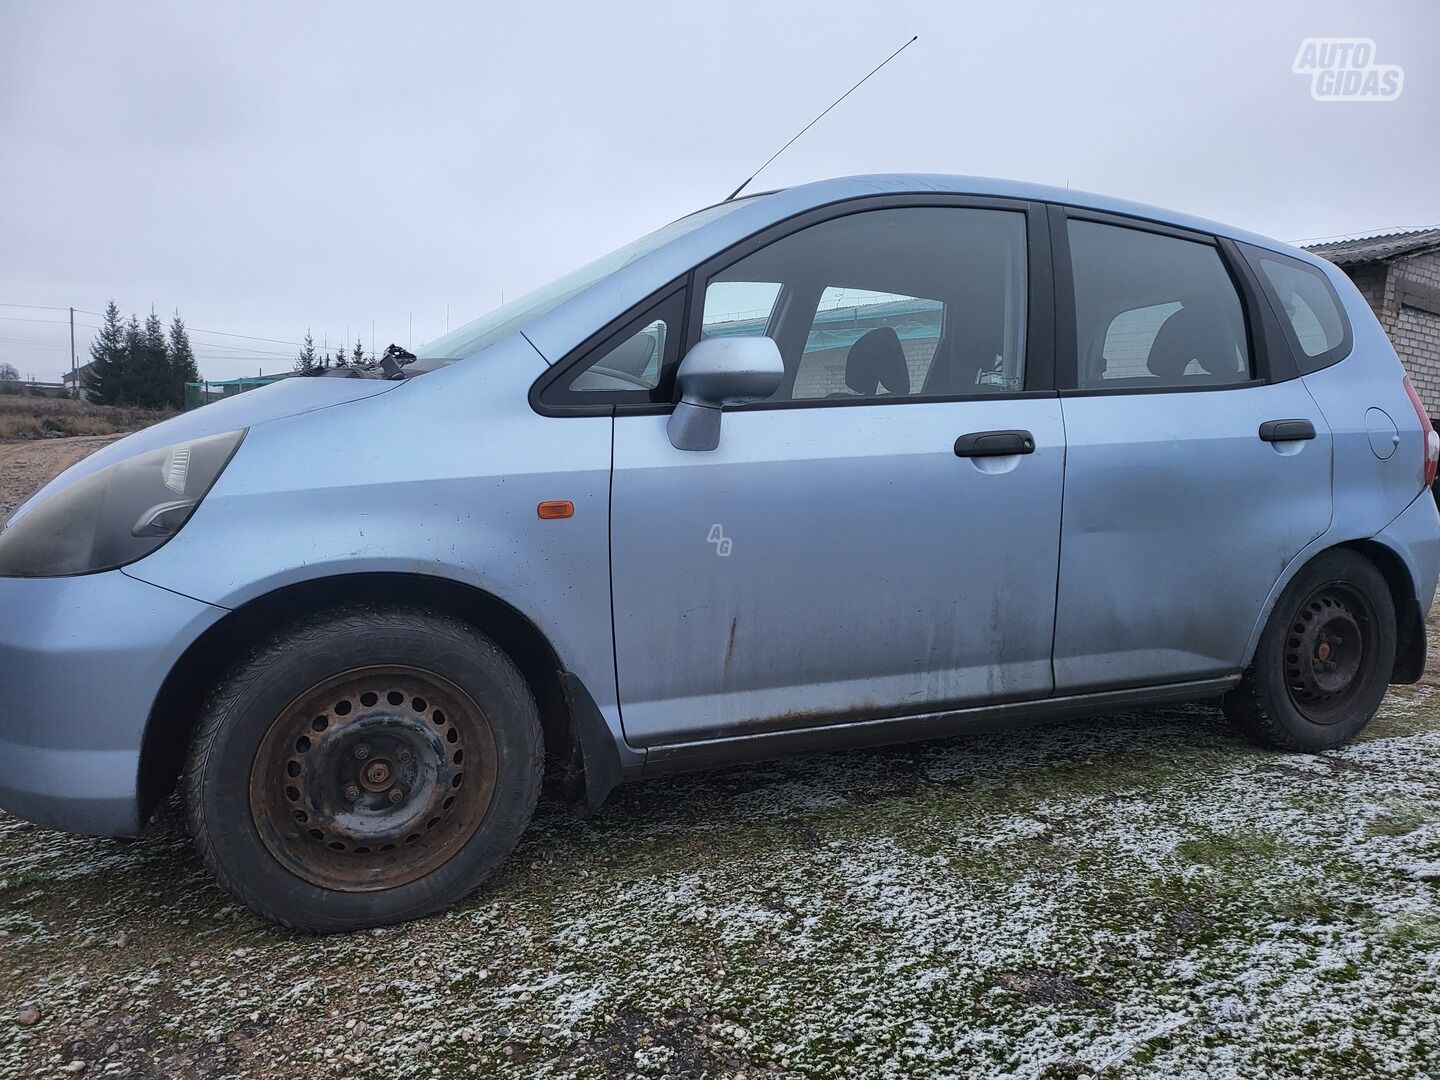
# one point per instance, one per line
(81, 662)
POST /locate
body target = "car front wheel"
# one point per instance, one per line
(364, 767)
(1324, 659)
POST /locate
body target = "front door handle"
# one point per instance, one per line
(1287, 430)
(994, 444)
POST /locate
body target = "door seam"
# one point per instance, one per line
(1059, 543)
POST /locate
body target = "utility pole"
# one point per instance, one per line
(74, 371)
(411, 343)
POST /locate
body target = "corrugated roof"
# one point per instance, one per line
(1365, 249)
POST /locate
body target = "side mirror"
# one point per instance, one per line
(719, 372)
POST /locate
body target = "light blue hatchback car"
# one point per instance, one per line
(867, 460)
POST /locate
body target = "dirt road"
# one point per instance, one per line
(24, 466)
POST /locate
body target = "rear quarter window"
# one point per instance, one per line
(1310, 311)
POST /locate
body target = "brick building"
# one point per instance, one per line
(1399, 276)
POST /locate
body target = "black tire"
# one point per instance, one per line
(1324, 659)
(247, 773)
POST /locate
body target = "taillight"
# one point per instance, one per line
(1432, 439)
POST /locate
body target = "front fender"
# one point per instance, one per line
(442, 480)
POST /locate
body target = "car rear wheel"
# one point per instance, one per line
(1324, 659)
(364, 767)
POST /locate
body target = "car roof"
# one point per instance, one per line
(836, 189)
(556, 333)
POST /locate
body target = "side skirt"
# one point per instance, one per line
(712, 753)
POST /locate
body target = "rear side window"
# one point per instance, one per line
(1154, 312)
(1309, 306)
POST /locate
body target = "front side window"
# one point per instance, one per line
(885, 304)
(1154, 312)
(738, 307)
(843, 317)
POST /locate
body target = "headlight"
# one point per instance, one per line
(117, 515)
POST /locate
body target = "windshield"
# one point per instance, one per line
(505, 320)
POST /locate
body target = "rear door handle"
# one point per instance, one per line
(1287, 430)
(994, 444)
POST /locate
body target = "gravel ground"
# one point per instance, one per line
(1139, 895)
(24, 466)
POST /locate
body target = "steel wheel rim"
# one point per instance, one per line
(1329, 652)
(373, 778)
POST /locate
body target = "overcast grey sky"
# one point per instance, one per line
(265, 168)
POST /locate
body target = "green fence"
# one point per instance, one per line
(202, 393)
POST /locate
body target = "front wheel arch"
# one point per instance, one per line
(177, 706)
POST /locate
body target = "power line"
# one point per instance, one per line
(50, 322)
(101, 314)
(31, 343)
(1364, 232)
(237, 348)
(204, 344)
(248, 337)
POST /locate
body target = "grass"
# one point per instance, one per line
(1138, 896)
(40, 418)
(1401, 820)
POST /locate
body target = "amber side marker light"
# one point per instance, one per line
(554, 509)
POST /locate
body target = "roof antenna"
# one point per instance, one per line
(817, 119)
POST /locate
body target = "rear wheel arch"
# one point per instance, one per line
(1409, 620)
(1323, 663)
(177, 707)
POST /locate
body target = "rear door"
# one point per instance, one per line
(1194, 475)
(835, 559)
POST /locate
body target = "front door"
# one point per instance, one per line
(836, 558)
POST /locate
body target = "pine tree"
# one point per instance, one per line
(105, 376)
(358, 356)
(133, 363)
(183, 368)
(149, 382)
(308, 363)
